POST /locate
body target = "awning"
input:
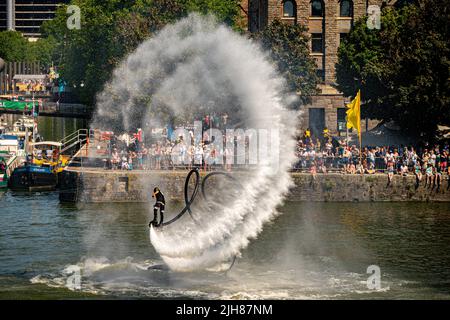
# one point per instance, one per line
(16, 105)
(7, 137)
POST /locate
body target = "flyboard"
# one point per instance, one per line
(189, 200)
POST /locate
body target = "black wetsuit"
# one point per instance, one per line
(160, 203)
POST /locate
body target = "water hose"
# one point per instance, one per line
(189, 200)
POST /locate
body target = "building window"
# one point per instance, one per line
(317, 43)
(346, 8)
(289, 9)
(342, 119)
(317, 8)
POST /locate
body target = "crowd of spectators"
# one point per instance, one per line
(325, 154)
(314, 155)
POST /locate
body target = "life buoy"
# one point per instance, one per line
(24, 180)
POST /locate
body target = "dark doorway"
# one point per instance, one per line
(317, 121)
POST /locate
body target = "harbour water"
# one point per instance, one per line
(311, 251)
(52, 128)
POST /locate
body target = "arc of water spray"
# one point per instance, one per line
(180, 71)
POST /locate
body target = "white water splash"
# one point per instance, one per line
(191, 68)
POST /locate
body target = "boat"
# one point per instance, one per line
(40, 171)
(11, 155)
(22, 127)
(33, 178)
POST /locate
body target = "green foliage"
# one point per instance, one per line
(403, 70)
(42, 50)
(112, 29)
(288, 47)
(13, 46)
(225, 10)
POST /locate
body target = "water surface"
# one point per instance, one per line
(311, 251)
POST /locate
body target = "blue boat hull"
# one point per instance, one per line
(33, 178)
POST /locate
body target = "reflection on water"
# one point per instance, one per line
(55, 129)
(312, 251)
(51, 128)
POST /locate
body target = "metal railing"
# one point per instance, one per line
(12, 164)
(76, 139)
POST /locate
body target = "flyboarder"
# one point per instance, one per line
(160, 203)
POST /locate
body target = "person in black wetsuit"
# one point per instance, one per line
(160, 203)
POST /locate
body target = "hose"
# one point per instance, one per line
(189, 200)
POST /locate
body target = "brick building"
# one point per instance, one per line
(328, 22)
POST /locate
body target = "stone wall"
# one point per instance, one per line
(364, 188)
(136, 186)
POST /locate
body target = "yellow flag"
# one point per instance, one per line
(354, 114)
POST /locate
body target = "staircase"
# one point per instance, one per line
(72, 143)
(86, 148)
(12, 163)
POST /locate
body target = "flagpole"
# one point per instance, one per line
(360, 149)
(360, 132)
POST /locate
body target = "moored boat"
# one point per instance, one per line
(33, 178)
(40, 172)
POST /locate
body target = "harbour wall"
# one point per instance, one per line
(93, 186)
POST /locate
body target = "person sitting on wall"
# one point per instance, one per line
(159, 204)
(115, 159)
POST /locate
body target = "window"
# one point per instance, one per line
(316, 121)
(346, 8)
(317, 9)
(288, 9)
(342, 119)
(317, 43)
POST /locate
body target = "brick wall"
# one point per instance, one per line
(331, 26)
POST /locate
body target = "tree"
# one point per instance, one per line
(403, 70)
(112, 29)
(289, 50)
(13, 46)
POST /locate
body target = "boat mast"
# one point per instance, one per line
(34, 120)
(34, 130)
